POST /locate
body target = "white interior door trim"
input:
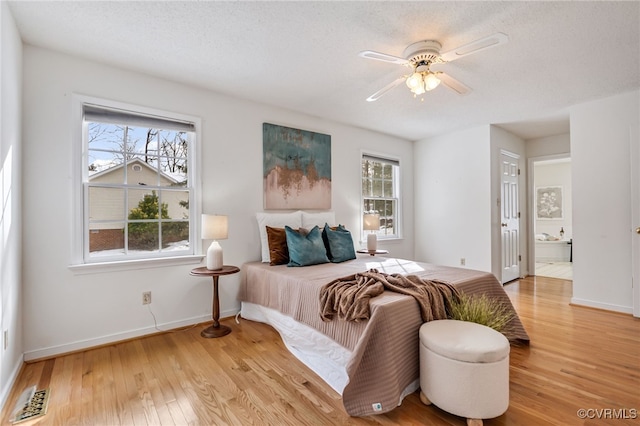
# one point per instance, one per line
(531, 205)
(634, 151)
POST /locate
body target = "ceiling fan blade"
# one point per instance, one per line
(453, 84)
(385, 89)
(370, 54)
(475, 46)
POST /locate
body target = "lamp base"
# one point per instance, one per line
(214, 257)
(372, 242)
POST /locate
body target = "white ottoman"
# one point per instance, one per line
(464, 369)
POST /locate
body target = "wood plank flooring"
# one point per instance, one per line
(579, 358)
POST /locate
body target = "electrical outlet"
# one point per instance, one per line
(146, 297)
(5, 339)
(463, 261)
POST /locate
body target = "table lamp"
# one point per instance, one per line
(372, 223)
(214, 227)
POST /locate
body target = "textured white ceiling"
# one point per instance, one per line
(304, 55)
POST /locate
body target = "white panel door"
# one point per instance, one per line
(509, 216)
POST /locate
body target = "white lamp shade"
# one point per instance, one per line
(431, 81)
(371, 222)
(414, 81)
(214, 227)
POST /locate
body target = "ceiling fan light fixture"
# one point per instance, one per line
(414, 81)
(421, 55)
(431, 81)
(418, 90)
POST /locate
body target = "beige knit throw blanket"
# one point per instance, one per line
(348, 297)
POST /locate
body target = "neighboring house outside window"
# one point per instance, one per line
(381, 193)
(137, 185)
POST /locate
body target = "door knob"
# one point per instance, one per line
(638, 230)
(505, 225)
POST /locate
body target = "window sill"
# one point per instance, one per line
(128, 265)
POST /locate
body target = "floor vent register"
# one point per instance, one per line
(31, 404)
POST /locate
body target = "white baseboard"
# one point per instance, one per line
(113, 338)
(599, 305)
(8, 385)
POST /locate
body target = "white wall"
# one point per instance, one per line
(10, 203)
(84, 310)
(503, 140)
(550, 145)
(453, 199)
(600, 145)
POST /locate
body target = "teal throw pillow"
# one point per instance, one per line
(339, 244)
(305, 250)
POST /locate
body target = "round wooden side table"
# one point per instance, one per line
(216, 329)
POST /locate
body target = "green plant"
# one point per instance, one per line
(482, 310)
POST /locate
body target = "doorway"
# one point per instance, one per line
(552, 230)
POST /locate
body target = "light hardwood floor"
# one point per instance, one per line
(579, 358)
(563, 270)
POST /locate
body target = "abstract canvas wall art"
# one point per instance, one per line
(296, 168)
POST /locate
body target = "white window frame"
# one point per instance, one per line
(80, 261)
(397, 192)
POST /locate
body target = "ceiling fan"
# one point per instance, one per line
(421, 55)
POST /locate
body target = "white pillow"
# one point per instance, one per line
(309, 220)
(275, 220)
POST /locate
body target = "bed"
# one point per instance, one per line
(373, 364)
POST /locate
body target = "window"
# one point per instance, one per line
(137, 185)
(380, 193)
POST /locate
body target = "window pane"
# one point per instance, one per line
(142, 170)
(143, 236)
(377, 170)
(108, 137)
(376, 188)
(141, 140)
(387, 225)
(387, 171)
(105, 204)
(388, 188)
(174, 145)
(105, 167)
(144, 204)
(106, 239)
(177, 204)
(368, 206)
(175, 236)
(378, 206)
(173, 172)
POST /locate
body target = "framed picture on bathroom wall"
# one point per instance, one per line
(549, 202)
